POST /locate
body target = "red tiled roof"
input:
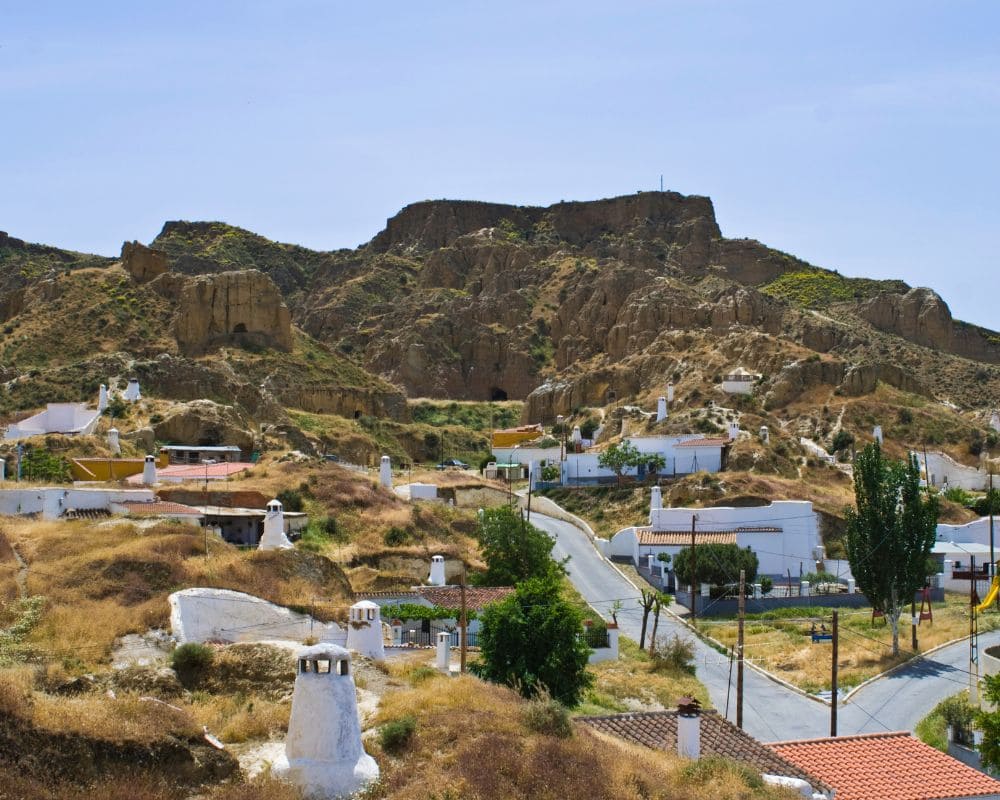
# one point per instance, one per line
(719, 737)
(887, 766)
(476, 597)
(718, 441)
(648, 536)
(197, 472)
(158, 508)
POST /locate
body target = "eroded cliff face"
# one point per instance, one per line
(921, 316)
(236, 308)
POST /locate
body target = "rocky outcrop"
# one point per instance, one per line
(922, 317)
(801, 376)
(238, 308)
(143, 263)
(203, 422)
(863, 379)
(344, 401)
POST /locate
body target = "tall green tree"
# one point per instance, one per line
(532, 640)
(717, 564)
(890, 532)
(513, 549)
(618, 458)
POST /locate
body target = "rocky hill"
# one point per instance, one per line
(573, 305)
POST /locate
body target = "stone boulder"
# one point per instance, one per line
(206, 423)
(143, 263)
(919, 316)
(236, 308)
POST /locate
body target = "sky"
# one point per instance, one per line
(858, 136)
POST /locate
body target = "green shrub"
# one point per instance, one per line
(766, 584)
(956, 494)
(396, 735)
(396, 536)
(544, 715)
(291, 499)
(673, 653)
(842, 440)
(423, 673)
(190, 661)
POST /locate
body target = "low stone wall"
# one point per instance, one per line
(729, 607)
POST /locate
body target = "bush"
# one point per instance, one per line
(673, 653)
(958, 495)
(905, 416)
(766, 584)
(396, 536)
(291, 499)
(842, 440)
(191, 660)
(982, 505)
(544, 715)
(717, 564)
(396, 735)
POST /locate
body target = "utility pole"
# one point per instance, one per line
(462, 625)
(913, 626)
(739, 649)
(694, 573)
(989, 502)
(833, 679)
(973, 641)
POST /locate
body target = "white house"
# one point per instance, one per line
(957, 545)
(683, 454)
(52, 502)
(739, 381)
(784, 534)
(942, 471)
(66, 418)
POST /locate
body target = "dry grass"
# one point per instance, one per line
(240, 718)
(125, 718)
(471, 742)
(103, 582)
(785, 647)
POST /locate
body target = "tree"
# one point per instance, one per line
(659, 601)
(989, 723)
(513, 549)
(890, 533)
(717, 564)
(618, 458)
(532, 640)
(647, 599)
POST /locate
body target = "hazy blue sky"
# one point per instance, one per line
(861, 136)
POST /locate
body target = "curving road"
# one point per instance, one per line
(771, 711)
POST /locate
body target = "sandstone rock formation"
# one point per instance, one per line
(206, 423)
(921, 316)
(232, 308)
(143, 263)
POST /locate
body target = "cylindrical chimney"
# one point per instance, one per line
(661, 409)
(437, 577)
(149, 471)
(688, 728)
(385, 472)
(655, 499)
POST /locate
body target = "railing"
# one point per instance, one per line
(596, 638)
(419, 638)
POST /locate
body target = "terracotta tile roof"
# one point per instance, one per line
(719, 737)
(476, 597)
(887, 766)
(196, 472)
(717, 441)
(648, 536)
(158, 508)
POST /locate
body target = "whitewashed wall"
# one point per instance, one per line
(51, 502)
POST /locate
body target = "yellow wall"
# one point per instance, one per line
(510, 438)
(115, 469)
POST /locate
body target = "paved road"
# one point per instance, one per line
(771, 712)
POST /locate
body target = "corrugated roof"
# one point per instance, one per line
(158, 508)
(719, 737)
(886, 766)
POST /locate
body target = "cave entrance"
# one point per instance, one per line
(497, 393)
(357, 415)
(239, 328)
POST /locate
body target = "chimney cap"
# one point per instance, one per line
(688, 707)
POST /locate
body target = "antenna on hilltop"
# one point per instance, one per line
(661, 183)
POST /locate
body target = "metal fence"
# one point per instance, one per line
(596, 638)
(430, 638)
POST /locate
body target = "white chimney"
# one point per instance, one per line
(385, 473)
(576, 437)
(661, 409)
(274, 528)
(734, 430)
(113, 442)
(149, 471)
(877, 433)
(3, 470)
(655, 499)
(765, 434)
(444, 651)
(102, 398)
(132, 393)
(364, 630)
(437, 577)
(688, 728)
(670, 393)
(533, 473)
(995, 421)
(324, 755)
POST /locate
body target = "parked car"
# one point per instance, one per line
(452, 463)
(331, 457)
